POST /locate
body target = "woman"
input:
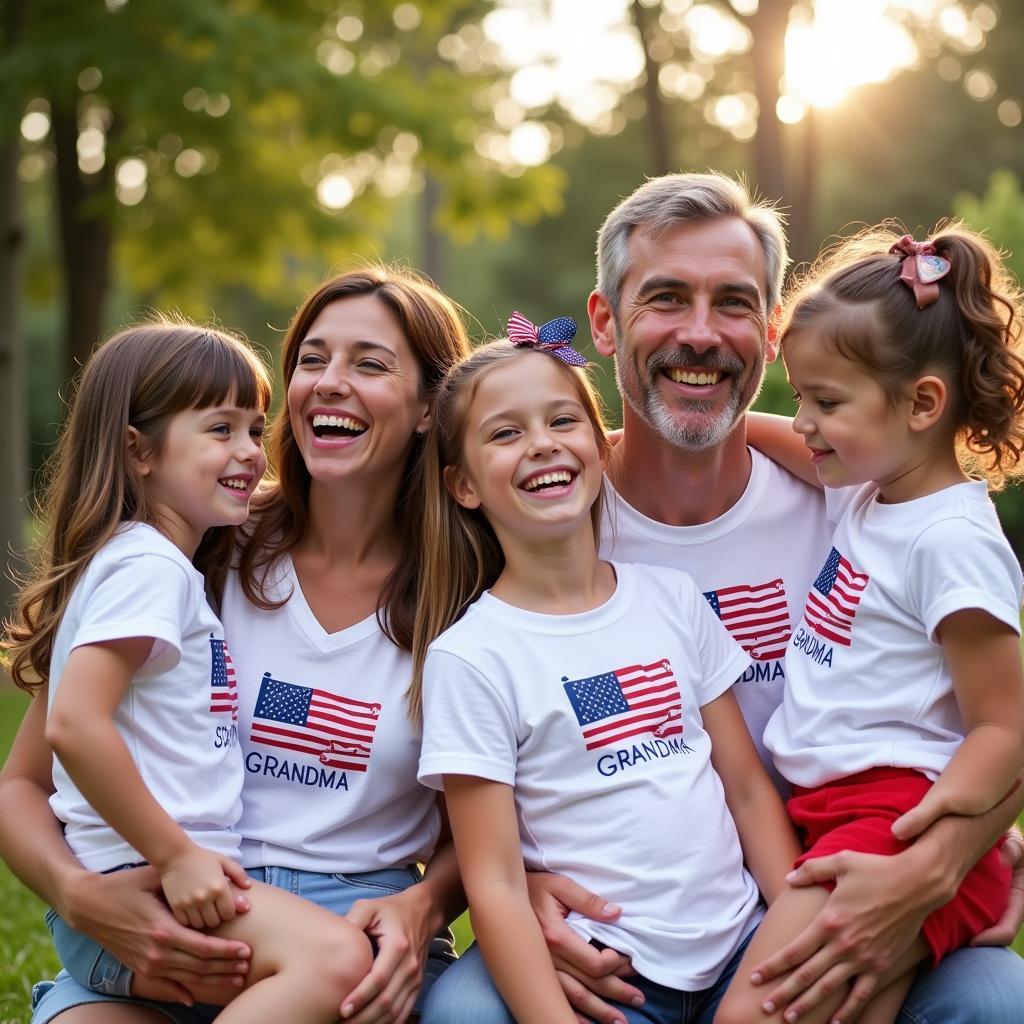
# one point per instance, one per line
(317, 616)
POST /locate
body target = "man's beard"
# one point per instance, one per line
(691, 425)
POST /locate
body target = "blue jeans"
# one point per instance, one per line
(971, 986)
(455, 1004)
(92, 975)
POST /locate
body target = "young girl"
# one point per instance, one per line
(905, 694)
(570, 704)
(157, 463)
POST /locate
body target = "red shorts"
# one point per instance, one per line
(856, 813)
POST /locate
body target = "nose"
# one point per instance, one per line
(698, 330)
(249, 449)
(332, 381)
(542, 442)
(802, 421)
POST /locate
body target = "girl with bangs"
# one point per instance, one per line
(161, 454)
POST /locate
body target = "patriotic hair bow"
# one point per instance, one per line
(921, 269)
(555, 337)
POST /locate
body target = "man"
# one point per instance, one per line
(689, 277)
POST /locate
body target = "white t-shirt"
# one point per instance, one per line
(177, 718)
(868, 685)
(754, 564)
(594, 720)
(330, 753)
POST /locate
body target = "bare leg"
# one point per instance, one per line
(884, 1007)
(785, 919)
(305, 960)
(110, 1013)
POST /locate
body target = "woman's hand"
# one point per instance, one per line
(587, 975)
(125, 913)
(400, 926)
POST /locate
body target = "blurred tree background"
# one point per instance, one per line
(220, 158)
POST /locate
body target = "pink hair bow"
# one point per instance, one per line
(555, 337)
(921, 270)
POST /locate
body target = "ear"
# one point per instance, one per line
(460, 487)
(602, 323)
(426, 418)
(928, 399)
(771, 345)
(135, 448)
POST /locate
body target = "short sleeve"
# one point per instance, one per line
(956, 564)
(467, 727)
(721, 660)
(134, 596)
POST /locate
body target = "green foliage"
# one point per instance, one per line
(999, 212)
(239, 109)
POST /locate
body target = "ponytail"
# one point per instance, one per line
(988, 302)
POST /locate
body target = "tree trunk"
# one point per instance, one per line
(12, 376)
(768, 26)
(431, 240)
(657, 116)
(86, 236)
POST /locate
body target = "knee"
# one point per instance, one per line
(735, 1009)
(336, 959)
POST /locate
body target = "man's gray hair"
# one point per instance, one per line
(673, 199)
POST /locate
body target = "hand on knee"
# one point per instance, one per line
(339, 959)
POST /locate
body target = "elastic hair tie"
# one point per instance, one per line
(554, 337)
(921, 269)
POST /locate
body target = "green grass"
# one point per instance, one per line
(25, 951)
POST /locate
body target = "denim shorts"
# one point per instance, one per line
(92, 975)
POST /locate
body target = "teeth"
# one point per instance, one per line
(562, 476)
(345, 422)
(235, 484)
(689, 377)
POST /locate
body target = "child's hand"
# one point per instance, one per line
(933, 805)
(196, 885)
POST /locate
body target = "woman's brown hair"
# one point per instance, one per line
(433, 327)
(141, 377)
(971, 333)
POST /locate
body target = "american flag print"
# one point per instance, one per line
(336, 730)
(755, 615)
(833, 599)
(626, 702)
(223, 691)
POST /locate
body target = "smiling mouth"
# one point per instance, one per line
(234, 483)
(702, 378)
(543, 481)
(336, 426)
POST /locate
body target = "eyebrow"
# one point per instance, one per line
(505, 414)
(658, 284)
(359, 346)
(228, 410)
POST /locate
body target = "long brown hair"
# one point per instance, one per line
(458, 554)
(856, 302)
(433, 327)
(141, 377)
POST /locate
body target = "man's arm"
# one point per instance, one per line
(878, 905)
